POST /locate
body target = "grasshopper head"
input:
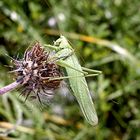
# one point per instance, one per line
(62, 43)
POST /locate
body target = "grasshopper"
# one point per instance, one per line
(76, 74)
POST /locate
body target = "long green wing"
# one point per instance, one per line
(79, 85)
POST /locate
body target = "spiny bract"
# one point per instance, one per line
(36, 71)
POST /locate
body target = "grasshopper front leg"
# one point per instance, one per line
(66, 53)
(60, 57)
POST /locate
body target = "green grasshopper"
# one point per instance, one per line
(76, 77)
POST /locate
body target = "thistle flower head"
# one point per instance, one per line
(35, 70)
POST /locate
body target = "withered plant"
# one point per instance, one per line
(34, 73)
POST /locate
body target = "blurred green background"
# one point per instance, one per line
(105, 36)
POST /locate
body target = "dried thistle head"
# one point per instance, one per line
(35, 70)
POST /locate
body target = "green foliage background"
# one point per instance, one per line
(115, 92)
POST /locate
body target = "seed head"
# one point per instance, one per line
(36, 71)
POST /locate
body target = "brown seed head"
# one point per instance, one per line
(35, 70)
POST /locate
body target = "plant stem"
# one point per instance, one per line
(9, 87)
